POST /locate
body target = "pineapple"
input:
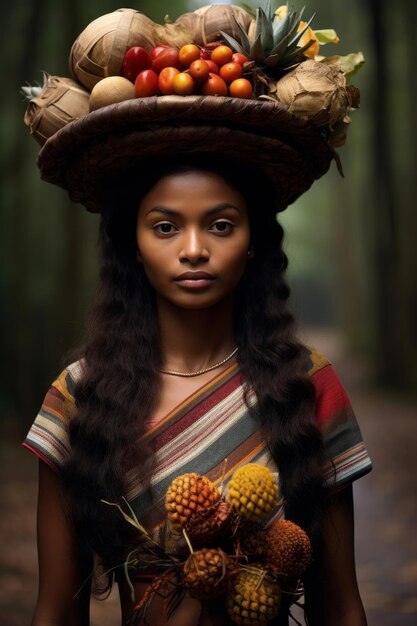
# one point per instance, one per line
(289, 549)
(206, 573)
(210, 525)
(187, 495)
(276, 41)
(253, 491)
(253, 597)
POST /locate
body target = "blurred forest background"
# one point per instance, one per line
(351, 241)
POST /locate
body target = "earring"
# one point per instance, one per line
(251, 253)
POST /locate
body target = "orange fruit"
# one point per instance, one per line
(241, 88)
(166, 80)
(222, 55)
(183, 84)
(188, 53)
(199, 70)
(231, 71)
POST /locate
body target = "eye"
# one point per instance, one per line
(164, 228)
(222, 227)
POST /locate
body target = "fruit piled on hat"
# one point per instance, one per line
(216, 50)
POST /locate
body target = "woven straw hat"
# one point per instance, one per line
(293, 152)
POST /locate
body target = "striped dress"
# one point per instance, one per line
(211, 432)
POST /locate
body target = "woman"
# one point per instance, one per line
(190, 316)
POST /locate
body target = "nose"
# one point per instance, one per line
(193, 247)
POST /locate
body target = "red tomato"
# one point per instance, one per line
(240, 58)
(199, 70)
(188, 53)
(183, 84)
(222, 55)
(155, 51)
(146, 84)
(166, 80)
(241, 88)
(204, 55)
(166, 58)
(135, 60)
(213, 67)
(231, 71)
(214, 86)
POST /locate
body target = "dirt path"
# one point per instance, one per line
(386, 516)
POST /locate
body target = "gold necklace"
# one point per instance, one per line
(207, 369)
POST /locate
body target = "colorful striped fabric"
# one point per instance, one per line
(212, 432)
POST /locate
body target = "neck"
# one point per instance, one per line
(194, 339)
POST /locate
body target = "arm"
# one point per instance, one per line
(332, 594)
(62, 568)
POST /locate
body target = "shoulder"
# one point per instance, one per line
(316, 361)
(48, 436)
(332, 401)
(65, 383)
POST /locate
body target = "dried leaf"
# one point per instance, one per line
(349, 64)
(175, 35)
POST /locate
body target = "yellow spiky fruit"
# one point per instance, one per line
(253, 597)
(206, 573)
(188, 494)
(253, 491)
(288, 550)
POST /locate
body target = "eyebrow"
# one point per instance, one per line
(217, 209)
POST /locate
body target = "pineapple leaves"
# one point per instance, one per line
(264, 30)
(235, 45)
(268, 11)
(257, 52)
(244, 39)
(280, 27)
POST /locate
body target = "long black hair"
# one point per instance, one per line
(120, 381)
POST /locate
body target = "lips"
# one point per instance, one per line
(195, 276)
(195, 280)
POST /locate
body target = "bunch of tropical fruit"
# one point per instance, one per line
(216, 50)
(235, 551)
(212, 70)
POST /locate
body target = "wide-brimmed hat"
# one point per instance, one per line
(80, 156)
(82, 149)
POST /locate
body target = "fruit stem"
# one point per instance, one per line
(223, 476)
(187, 539)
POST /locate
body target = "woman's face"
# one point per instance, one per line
(193, 238)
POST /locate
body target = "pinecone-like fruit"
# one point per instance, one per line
(206, 573)
(289, 549)
(253, 491)
(208, 526)
(253, 597)
(188, 494)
